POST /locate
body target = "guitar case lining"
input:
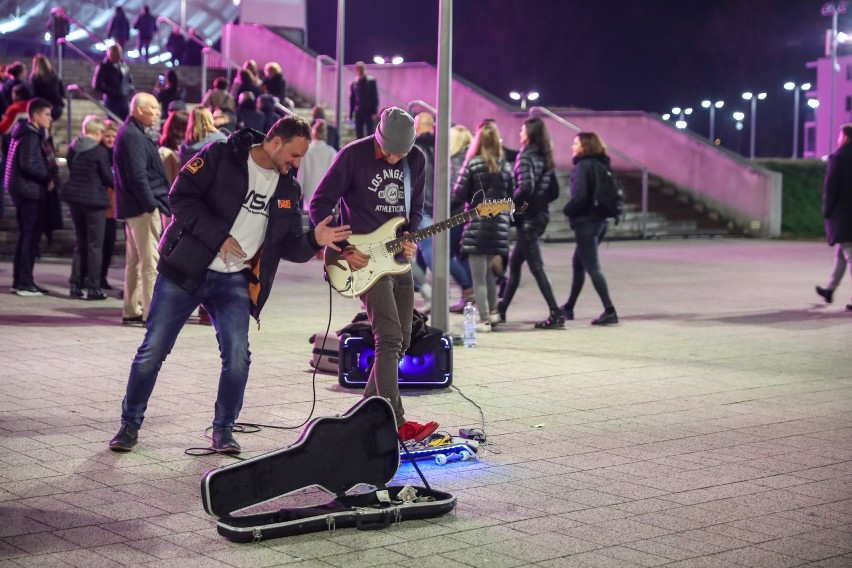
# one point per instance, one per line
(336, 454)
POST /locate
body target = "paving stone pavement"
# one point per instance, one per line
(712, 427)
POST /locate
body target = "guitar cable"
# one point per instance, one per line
(252, 427)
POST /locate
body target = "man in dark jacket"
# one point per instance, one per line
(113, 79)
(363, 101)
(236, 215)
(119, 27)
(89, 176)
(837, 211)
(28, 179)
(141, 197)
(146, 25)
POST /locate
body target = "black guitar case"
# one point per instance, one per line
(335, 454)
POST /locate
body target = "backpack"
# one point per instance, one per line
(608, 197)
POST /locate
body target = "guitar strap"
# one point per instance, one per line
(406, 186)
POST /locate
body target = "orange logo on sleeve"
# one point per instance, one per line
(284, 204)
(194, 165)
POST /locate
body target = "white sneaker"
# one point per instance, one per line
(483, 327)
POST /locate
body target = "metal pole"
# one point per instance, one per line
(796, 122)
(712, 123)
(319, 83)
(68, 113)
(441, 248)
(644, 203)
(183, 13)
(753, 123)
(59, 57)
(204, 70)
(338, 99)
(834, 69)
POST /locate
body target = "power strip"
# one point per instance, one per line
(472, 434)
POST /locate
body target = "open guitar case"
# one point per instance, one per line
(335, 454)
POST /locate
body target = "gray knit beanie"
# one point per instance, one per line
(395, 133)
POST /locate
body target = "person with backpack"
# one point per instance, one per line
(587, 213)
(533, 167)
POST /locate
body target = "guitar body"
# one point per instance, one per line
(353, 283)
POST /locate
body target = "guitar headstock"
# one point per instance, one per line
(493, 208)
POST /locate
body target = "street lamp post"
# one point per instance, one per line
(381, 59)
(790, 86)
(749, 96)
(524, 97)
(833, 9)
(712, 106)
(739, 116)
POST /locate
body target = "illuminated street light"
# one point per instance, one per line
(712, 106)
(682, 113)
(666, 116)
(749, 96)
(813, 103)
(524, 97)
(791, 86)
(382, 60)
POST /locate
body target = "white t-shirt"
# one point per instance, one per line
(250, 226)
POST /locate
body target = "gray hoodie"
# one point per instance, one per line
(187, 151)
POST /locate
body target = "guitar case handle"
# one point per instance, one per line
(384, 521)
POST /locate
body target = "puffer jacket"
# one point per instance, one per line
(484, 236)
(90, 174)
(27, 172)
(583, 180)
(205, 200)
(837, 197)
(529, 172)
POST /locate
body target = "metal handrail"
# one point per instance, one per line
(81, 26)
(74, 88)
(422, 104)
(60, 43)
(284, 109)
(640, 165)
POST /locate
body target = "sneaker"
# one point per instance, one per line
(44, 291)
(125, 439)
(567, 313)
(415, 431)
(554, 321)
(224, 443)
(28, 291)
(133, 320)
(496, 317)
(75, 291)
(96, 294)
(827, 295)
(483, 327)
(605, 319)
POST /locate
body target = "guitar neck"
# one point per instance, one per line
(394, 246)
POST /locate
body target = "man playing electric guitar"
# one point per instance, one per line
(369, 179)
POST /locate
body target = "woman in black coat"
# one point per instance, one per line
(589, 229)
(485, 175)
(532, 174)
(837, 211)
(47, 85)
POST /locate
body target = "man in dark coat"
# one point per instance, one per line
(141, 199)
(146, 25)
(837, 211)
(119, 27)
(113, 79)
(28, 179)
(363, 101)
(236, 215)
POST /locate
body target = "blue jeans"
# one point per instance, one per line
(226, 298)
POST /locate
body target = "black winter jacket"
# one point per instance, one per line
(27, 172)
(529, 173)
(141, 182)
(426, 142)
(837, 196)
(207, 197)
(113, 80)
(90, 174)
(583, 183)
(475, 184)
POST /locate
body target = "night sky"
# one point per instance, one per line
(646, 55)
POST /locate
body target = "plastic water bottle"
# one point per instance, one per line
(470, 318)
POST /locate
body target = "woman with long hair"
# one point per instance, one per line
(532, 172)
(47, 84)
(174, 131)
(484, 176)
(108, 140)
(460, 139)
(589, 229)
(200, 131)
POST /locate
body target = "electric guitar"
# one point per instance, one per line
(382, 246)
